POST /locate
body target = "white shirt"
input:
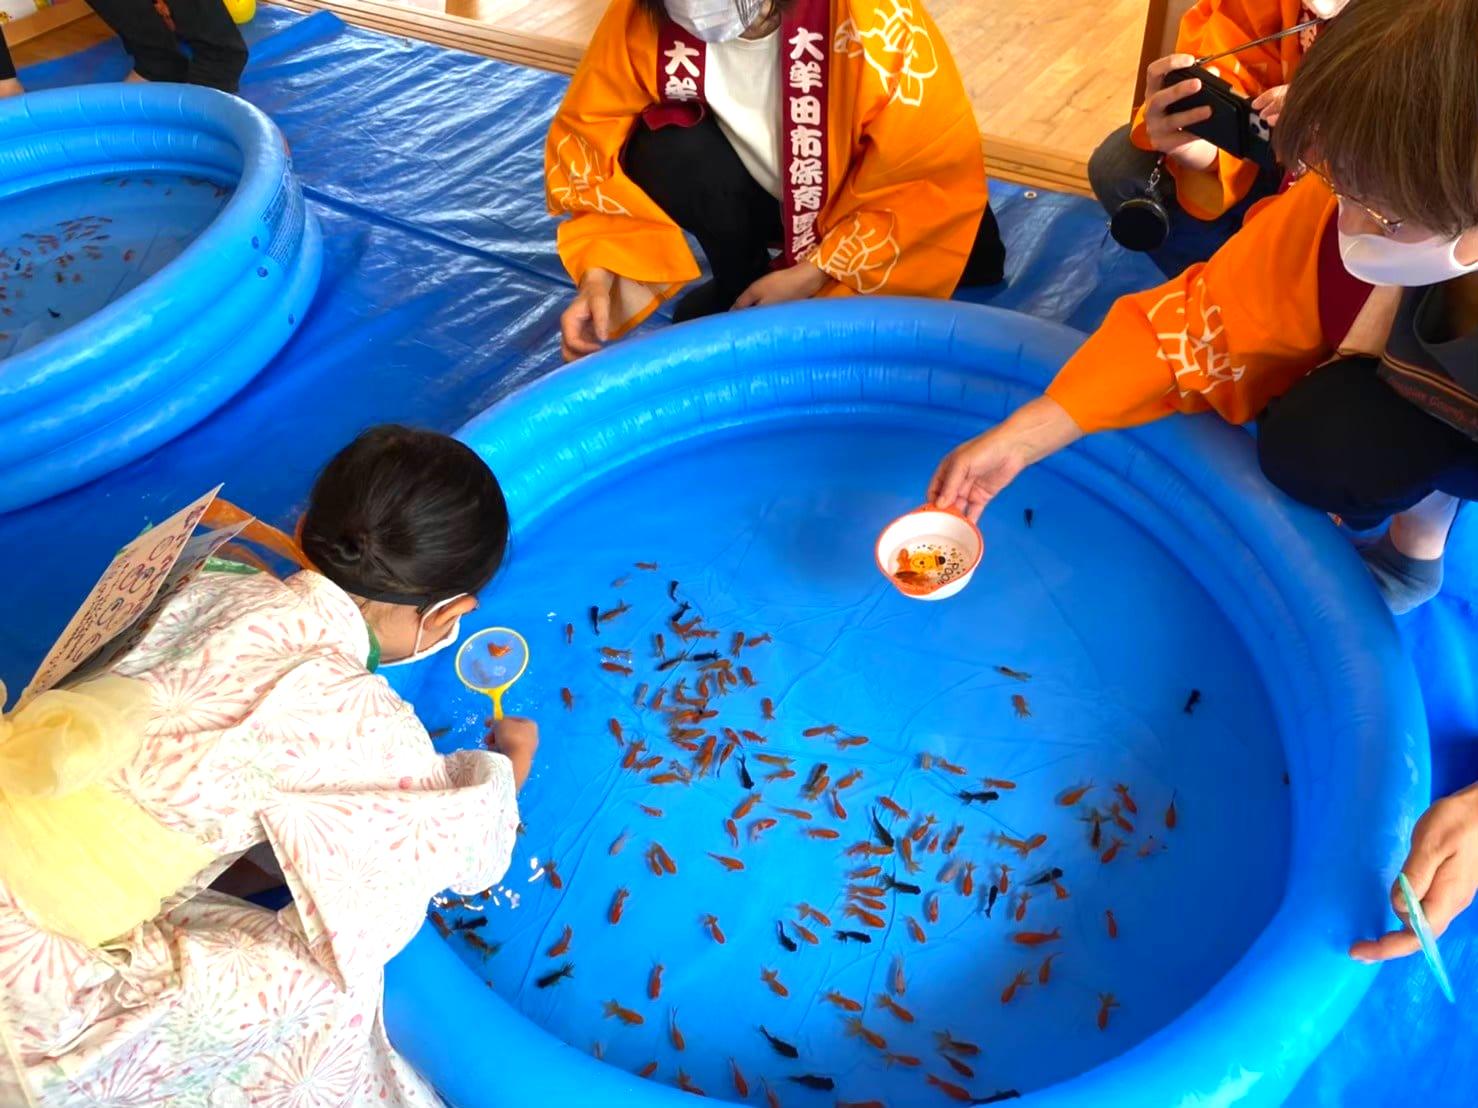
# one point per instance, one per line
(741, 83)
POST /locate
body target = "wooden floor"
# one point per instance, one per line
(1048, 78)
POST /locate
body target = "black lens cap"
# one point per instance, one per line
(1140, 224)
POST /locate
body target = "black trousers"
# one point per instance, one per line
(7, 63)
(694, 175)
(1343, 441)
(217, 51)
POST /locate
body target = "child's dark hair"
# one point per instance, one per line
(406, 516)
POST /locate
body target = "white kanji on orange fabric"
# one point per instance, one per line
(1193, 341)
(862, 252)
(576, 179)
(896, 46)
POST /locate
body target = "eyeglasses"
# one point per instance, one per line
(1388, 226)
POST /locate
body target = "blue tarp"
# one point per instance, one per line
(441, 293)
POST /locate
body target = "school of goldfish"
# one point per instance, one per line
(895, 864)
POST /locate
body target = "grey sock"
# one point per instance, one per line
(1405, 582)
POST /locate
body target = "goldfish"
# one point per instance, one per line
(617, 667)
(851, 741)
(823, 833)
(866, 917)
(741, 1086)
(817, 732)
(845, 1003)
(500, 650)
(1037, 938)
(625, 1015)
(780, 775)
(948, 1088)
(648, 1069)
(654, 982)
(1170, 817)
(772, 978)
(836, 805)
(887, 1002)
(618, 905)
(656, 704)
(1071, 796)
(714, 931)
(613, 654)
(1022, 847)
(675, 1033)
(1045, 973)
(950, 767)
(1021, 898)
(1149, 846)
(817, 786)
(967, 881)
(1105, 1002)
(900, 1059)
(865, 872)
(922, 829)
(775, 759)
(1128, 801)
(747, 676)
(563, 945)
(893, 806)
(1023, 710)
(439, 922)
(953, 838)
(1014, 674)
(647, 567)
(663, 858)
(807, 935)
(997, 783)
(1117, 815)
(759, 640)
(857, 849)
(916, 930)
(746, 806)
(685, 1083)
(759, 827)
(733, 865)
(780, 1046)
(661, 644)
(1113, 924)
(669, 778)
(555, 880)
(614, 726)
(555, 976)
(870, 902)
(856, 1029)
(733, 830)
(736, 644)
(807, 912)
(755, 737)
(794, 813)
(771, 1100)
(1113, 850)
(568, 698)
(1004, 881)
(959, 1067)
(905, 851)
(948, 1044)
(655, 813)
(767, 707)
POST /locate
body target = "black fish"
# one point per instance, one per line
(985, 796)
(900, 886)
(996, 1098)
(884, 838)
(1027, 515)
(477, 942)
(471, 923)
(53, 313)
(438, 733)
(811, 1081)
(677, 616)
(667, 665)
(853, 936)
(744, 778)
(566, 970)
(990, 900)
(672, 591)
(785, 940)
(1046, 876)
(1014, 674)
(595, 618)
(706, 656)
(1192, 700)
(781, 1046)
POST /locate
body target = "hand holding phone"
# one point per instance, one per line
(1169, 121)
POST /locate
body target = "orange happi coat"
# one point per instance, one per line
(1212, 27)
(906, 179)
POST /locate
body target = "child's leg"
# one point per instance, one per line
(9, 85)
(218, 52)
(149, 42)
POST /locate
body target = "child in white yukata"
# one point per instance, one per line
(250, 714)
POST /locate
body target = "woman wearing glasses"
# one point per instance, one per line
(1344, 317)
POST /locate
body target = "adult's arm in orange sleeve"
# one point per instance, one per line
(1228, 335)
(612, 224)
(1212, 27)
(906, 214)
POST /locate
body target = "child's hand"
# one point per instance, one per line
(798, 282)
(1442, 868)
(585, 325)
(1269, 105)
(517, 738)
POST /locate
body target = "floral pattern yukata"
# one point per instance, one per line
(267, 729)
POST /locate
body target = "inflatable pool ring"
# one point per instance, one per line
(1343, 697)
(83, 171)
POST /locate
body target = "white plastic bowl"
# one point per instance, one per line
(930, 525)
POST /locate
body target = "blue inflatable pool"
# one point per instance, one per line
(1158, 652)
(155, 254)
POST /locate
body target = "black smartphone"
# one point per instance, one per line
(1233, 126)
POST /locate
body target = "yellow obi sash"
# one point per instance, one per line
(79, 859)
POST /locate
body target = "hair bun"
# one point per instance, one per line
(348, 549)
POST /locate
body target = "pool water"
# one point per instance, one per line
(771, 532)
(68, 250)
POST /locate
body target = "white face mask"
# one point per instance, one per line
(714, 20)
(1325, 9)
(417, 653)
(1382, 260)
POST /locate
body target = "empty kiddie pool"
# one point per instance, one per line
(155, 254)
(1168, 722)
